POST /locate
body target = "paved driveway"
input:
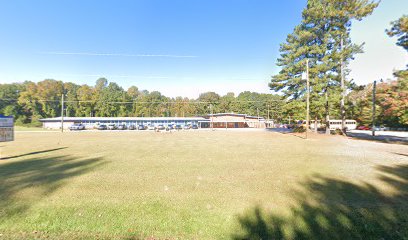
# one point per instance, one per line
(380, 135)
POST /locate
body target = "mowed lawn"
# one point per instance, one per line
(201, 185)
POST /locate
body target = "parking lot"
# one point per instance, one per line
(394, 136)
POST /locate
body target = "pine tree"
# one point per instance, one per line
(399, 28)
(323, 37)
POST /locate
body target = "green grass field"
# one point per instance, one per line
(201, 185)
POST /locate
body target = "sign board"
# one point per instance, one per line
(6, 128)
(304, 76)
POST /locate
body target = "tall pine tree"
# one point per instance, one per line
(323, 37)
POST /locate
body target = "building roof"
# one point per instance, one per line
(227, 114)
(234, 115)
(73, 119)
(205, 118)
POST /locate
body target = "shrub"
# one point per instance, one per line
(337, 132)
(298, 129)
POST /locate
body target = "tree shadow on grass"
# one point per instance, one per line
(33, 153)
(401, 154)
(286, 131)
(24, 183)
(329, 208)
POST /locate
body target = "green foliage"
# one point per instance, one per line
(391, 103)
(296, 109)
(299, 129)
(325, 25)
(29, 102)
(399, 28)
(337, 132)
(392, 97)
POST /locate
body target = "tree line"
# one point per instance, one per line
(322, 41)
(28, 102)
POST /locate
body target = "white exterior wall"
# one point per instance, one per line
(56, 125)
(255, 123)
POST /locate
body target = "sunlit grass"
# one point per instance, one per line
(180, 185)
(23, 128)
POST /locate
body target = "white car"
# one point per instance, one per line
(161, 127)
(112, 127)
(151, 127)
(77, 126)
(381, 128)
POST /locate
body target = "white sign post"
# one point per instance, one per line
(6, 128)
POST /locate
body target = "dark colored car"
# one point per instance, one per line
(141, 127)
(132, 127)
(170, 127)
(77, 126)
(122, 127)
(194, 127)
(178, 127)
(102, 127)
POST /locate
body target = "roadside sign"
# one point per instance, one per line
(6, 128)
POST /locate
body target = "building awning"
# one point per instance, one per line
(96, 119)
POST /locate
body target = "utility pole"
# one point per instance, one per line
(327, 111)
(62, 113)
(307, 96)
(343, 92)
(135, 108)
(212, 117)
(259, 123)
(269, 124)
(374, 90)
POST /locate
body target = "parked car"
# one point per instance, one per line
(102, 127)
(122, 127)
(160, 127)
(194, 127)
(112, 127)
(170, 127)
(141, 127)
(186, 127)
(132, 127)
(178, 127)
(151, 127)
(363, 128)
(380, 128)
(77, 126)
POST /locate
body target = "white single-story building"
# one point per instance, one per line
(219, 120)
(235, 120)
(92, 122)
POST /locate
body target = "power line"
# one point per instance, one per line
(145, 102)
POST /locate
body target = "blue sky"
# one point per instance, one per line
(178, 47)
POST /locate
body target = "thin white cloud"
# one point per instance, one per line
(107, 76)
(140, 77)
(118, 54)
